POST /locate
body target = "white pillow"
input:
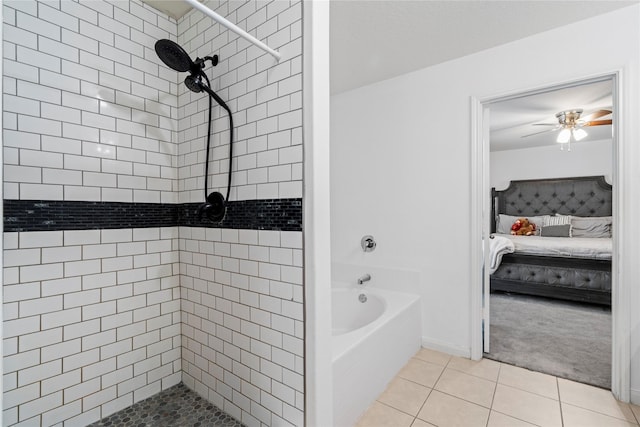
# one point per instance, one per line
(595, 226)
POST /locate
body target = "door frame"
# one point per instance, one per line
(480, 215)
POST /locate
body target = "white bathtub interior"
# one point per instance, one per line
(349, 313)
(368, 357)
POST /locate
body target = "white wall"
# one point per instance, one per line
(401, 154)
(588, 158)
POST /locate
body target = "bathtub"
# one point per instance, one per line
(371, 342)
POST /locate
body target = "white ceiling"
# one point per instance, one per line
(174, 8)
(513, 119)
(376, 40)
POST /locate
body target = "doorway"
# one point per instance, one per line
(481, 201)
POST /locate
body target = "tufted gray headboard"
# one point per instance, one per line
(580, 196)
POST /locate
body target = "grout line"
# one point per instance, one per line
(422, 406)
(559, 401)
(473, 375)
(511, 416)
(530, 392)
(463, 399)
(396, 409)
(600, 413)
(388, 406)
(495, 389)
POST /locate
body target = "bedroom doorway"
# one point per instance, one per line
(538, 127)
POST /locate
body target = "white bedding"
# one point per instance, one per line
(569, 247)
(498, 246)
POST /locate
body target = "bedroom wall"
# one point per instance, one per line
(400, 153)
(585, 159)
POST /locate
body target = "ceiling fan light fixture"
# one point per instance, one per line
(579, 134)
(564, 136)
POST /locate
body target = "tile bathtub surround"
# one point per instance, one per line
(490, 394)
(91, 322)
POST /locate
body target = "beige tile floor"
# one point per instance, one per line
(435, 389)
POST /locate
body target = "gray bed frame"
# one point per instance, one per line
(575, 279)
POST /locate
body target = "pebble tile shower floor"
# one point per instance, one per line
(175, 406)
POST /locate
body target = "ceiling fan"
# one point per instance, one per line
(571, 125)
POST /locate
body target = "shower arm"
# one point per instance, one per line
(201, 61)
(233, 27)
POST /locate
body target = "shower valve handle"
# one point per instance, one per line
(368, 244)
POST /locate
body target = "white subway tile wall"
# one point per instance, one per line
(242, 330)
(242, 289)
(85, 92)
(264, 95)
(92, 322)
(97, 320)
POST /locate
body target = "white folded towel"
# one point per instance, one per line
(498, 246)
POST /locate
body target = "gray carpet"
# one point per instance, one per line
(565, 339)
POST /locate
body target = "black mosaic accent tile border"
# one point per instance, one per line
(55, 215)
(50, 215)
(266, 214)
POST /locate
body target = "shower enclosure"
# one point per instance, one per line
(114, 289)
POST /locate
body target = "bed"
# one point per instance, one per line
(576, 268)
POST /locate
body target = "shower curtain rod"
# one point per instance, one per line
(233, 27)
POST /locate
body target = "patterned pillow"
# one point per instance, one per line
(559, 220)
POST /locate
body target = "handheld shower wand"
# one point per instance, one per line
(175, 57)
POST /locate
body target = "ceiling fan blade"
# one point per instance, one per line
(537, 133)
(598, 122)
(544, 124)
(596, 114)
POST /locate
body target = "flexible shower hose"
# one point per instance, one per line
(206, 163)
